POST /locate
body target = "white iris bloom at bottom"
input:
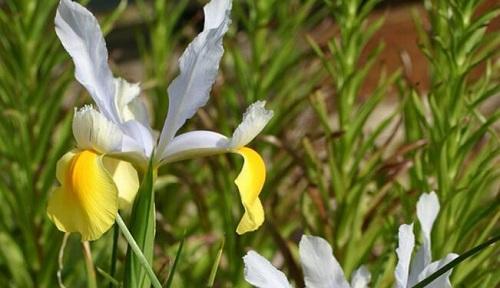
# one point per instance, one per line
(408, 274)
(321, 269)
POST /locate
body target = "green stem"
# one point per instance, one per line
(61, 260)
(137, 251)
(114, 253)
(89, 263)
(455, 262)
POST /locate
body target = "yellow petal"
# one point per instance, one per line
(87, 200)
(250, 182)
(125, 178)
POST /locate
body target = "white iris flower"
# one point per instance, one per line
(321, 269)
(421, 266)
(95, 183)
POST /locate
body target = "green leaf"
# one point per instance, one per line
(456, 261)
(137, 252)
(112, 281)
(142, 228)
(16, 264)
(110, 21)
(176, 261)
(213, 272)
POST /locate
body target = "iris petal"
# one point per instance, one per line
(125, 178)
(320, 267)
(250, 182)
(87, 200)
(261, 273)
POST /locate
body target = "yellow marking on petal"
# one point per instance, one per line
(126, 180)
(250, 182)
(87, 200)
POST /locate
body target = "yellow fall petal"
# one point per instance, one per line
(87, 200)
(250, 182)
(126, 180)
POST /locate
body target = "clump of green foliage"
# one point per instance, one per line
(345, 177)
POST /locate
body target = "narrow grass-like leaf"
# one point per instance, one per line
(112, 281)
(215, 266)
(110, 20)
(456, 261)
(139, 256)
(114, 253)
(142, 228)
(171, 275)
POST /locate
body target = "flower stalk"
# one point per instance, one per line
(137, 252)
(89, 264)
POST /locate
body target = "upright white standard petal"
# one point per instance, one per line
(321, 269)
(134, 119)
(128, 103)
(361, 278)
(81, 36)
(262, 274)
(442, 281)
(93, 131)
(254, 120)
(427, 212)
(198, 69)
(140, 136)
(404, 251)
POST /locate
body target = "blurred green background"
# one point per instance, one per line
(375, 103)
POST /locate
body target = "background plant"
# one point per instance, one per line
(334, 168)
(34, 131)
(460, 159)
(350, 183)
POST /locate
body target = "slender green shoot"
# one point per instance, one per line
(456, 261)
(137, 251)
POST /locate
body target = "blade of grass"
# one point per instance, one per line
(213, 272)
(141, 258)
(170, 279)
(142, 228)
(114, 253)
(456, 261)
(112, 281)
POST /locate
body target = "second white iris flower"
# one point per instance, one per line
(322, 270)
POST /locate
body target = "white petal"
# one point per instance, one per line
(198, 69)
(194, 144)
(140, 138)
(93, 131)
(204, 143)
(81, 36)
(254, 120)
(361, 278)
(260, 273)
(128, 103)
(418, 264)
(321, 269)
(134, 154)
(427, 211)
(442, 281)
(404, 251)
